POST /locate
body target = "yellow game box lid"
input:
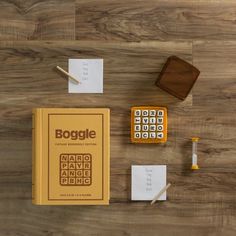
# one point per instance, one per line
(71, 156)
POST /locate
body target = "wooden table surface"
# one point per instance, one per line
(134, 37)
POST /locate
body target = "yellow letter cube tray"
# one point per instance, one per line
(148, 124)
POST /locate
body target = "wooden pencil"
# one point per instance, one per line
(160, 193)
(66, 73)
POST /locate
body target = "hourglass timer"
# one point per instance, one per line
(194, 153)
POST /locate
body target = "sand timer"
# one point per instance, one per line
(194, 153)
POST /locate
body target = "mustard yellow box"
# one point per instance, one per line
(71, 156)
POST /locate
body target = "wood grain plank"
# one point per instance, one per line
(216, 87)
(118, 219)
(205, 186)
(135, 20)
(216, 148)
(37, 19)
(32, 65)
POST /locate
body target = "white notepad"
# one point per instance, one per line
(89, 72)
(147, 182)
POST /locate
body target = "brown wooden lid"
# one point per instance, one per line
(177, 77)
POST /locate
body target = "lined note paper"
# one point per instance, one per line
(89, 72)
(147, 182)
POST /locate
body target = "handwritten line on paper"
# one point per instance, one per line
(90, 74)
(147, 181)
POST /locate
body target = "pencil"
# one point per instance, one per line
(160, 193)
(66, 73)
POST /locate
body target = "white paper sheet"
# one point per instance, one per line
(89, 72)
(147, 182)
